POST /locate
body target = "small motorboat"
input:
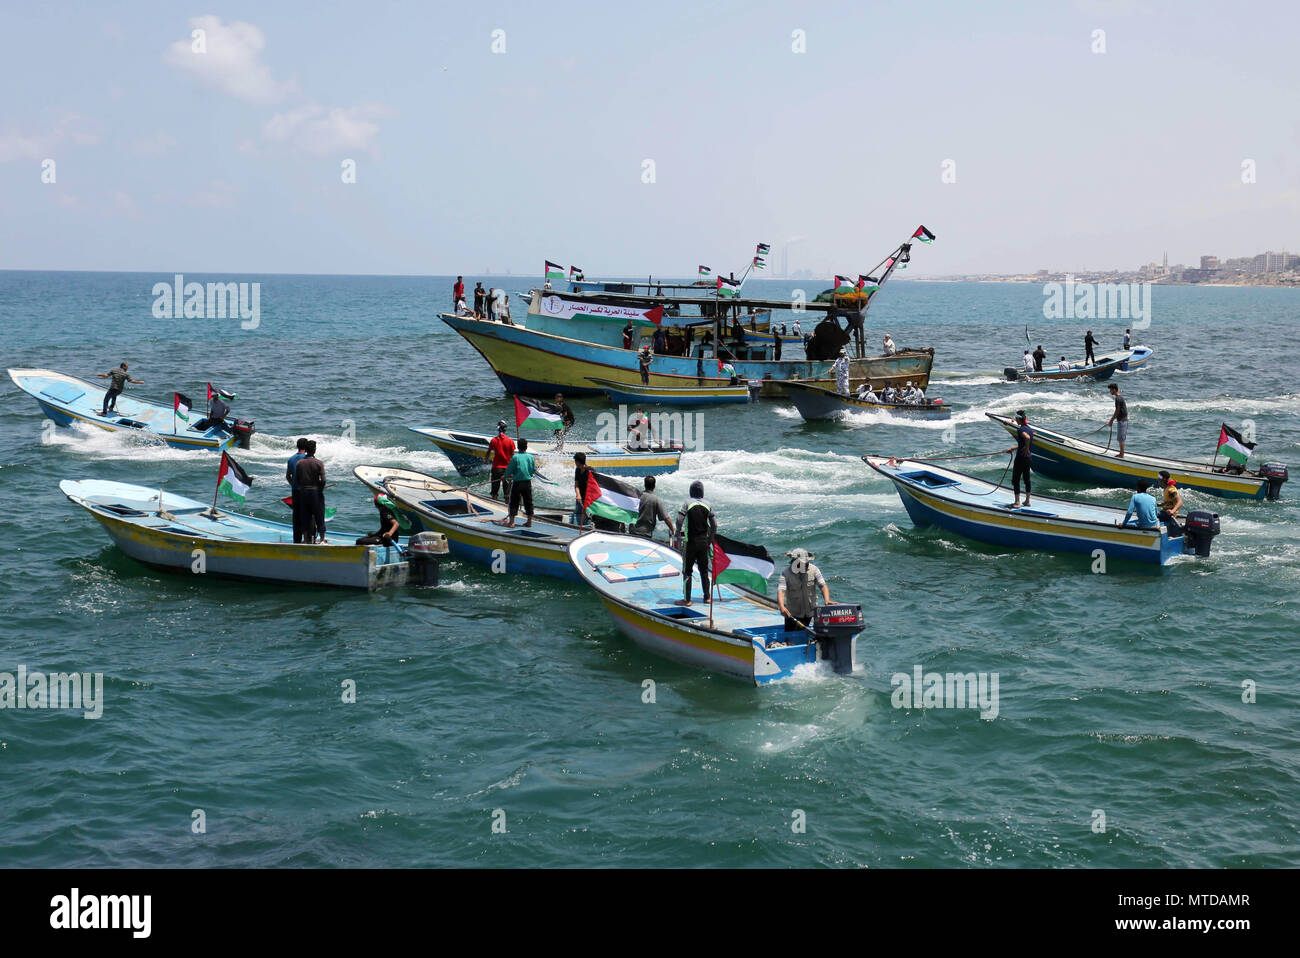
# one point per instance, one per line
(472, 523)
(706, 394)
(469, 453)
(815, 402)
(1139, 358)
(67, 400)
(1060, 456)
(1096, 370)
(169, 531)
(741, 634)
(982, 511)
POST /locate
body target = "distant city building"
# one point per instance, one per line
(1209, 262)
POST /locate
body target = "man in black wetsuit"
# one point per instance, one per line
(390, 528)
(309, 494)
(697, 527)
(1088, 343)
(1020, 467)
(1039, 355)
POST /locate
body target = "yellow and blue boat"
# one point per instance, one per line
(1058, 456)
(742, 635)
(709, 393)
(67, 400)
(814, 402)
(980, 510)
(168, 531)
(472, 523)
(469, 453)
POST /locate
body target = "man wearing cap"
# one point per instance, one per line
(841, 370)
(796, 593)
(1020, 467)
(865, 394)
(1170, 504)
(697, 526)
(502, 448)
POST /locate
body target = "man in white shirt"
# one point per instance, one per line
(865, 394)
(1029, 362)
(890, 348)
(841, 370)
(1063, 366)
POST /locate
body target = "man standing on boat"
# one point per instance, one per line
(290, 476)
(643, 364)
(309, 494)
(697, 527)
(567, 419)
(776, 346)
(628, 331)
(650, 511)
(502, 448)
(660, 341)
(478, 300)
(1128, 339)
(119, 380)
(796, 593)
(490, 304)
(639, 431)
(1020, 467)
(1039, 355)
(1119, 417)
(841, 370)
(458, 292)
(1169, 506)
(520, 473)
(1088, 343)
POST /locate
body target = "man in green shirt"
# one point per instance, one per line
(520, 474)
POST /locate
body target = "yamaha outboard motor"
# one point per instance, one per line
(1199, 531)
(1011, 372)
(243, 430)
(423, 555)
(1275, 473)
(836, 628)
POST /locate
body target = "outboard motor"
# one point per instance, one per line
(1011, 372)
(1199, 531)
(836, 628)
(423, 555)
(243, 430)
(1275, 473)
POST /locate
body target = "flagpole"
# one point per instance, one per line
(712, 583)
(212, 513)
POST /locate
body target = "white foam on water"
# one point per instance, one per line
(966, 380)
(780, 477)
(340, 455)
(95, 443)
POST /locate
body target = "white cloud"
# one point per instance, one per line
(230, 61)
(315, 129)
(72, 129)
(155, 144)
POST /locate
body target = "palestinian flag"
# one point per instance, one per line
(536, 414)
(219, 392)
(1232, 445)
(763, 249)
(182, 405)
(705, 271)
(554, 270)
(741, 563)
(1028, 341)
(575, 273)
(610, 499)
(760, 263)
(867, 284)
(843, 284)
(330, 512)
(923, 234)
(232, 480)
(728, 287)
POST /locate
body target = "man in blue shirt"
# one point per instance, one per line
(1143, 506)
(298, 534)
(520, 474)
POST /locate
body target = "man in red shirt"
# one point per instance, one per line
(502, 448)
(458, 292)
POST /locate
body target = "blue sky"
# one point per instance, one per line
(469, 160)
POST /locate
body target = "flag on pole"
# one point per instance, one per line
(181, 404)
(1028, 341)
(536, 414)
(705, 271)
(739, 562)
(763, 249)
(610, 499)
(843, 284)
(867, 284)
(923, 234)
(728, 287)
(1233, 445)
(554, 270)
(232, 480)
(575, 273)
(760, 263)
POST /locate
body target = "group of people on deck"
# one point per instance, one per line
(1033, 362)
(491, 304)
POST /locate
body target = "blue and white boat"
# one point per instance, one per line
(169, 531)
(741, 635)
(1098, 370)
(981, 510)
(67, 400)
(472, 523)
